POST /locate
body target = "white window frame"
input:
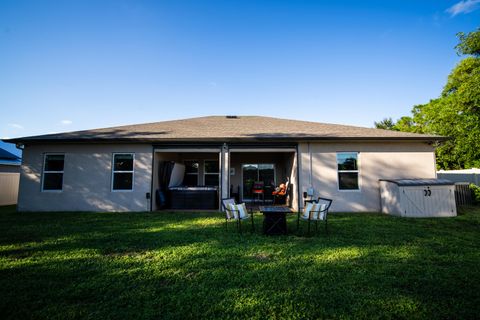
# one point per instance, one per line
(123, 171)
(349, 171)
(43, 170)
(210, 174)
(198, 169)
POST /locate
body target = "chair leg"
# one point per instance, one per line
(298, 220)
(308, 233)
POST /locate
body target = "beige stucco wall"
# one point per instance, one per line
(381, 160)
(87, 175)
(86, 180)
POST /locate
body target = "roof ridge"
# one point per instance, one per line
(218, 127)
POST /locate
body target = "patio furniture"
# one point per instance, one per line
(280, 194)
(258, 190)
(274, 219)
(236, 212)
(315, 210)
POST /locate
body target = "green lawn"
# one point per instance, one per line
(185, 265)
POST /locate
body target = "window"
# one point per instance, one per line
(53, 172)
(191, 173)
(211, 173)
(122, 171)
(347, 166)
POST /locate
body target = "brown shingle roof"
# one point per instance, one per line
(221, 128)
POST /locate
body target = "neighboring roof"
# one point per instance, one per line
(8, 158)
(420, 182)
(5, 155)
(221, 128)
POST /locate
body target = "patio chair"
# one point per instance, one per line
(258, 190)
(315, 210)
(234, 213)
(280, 194)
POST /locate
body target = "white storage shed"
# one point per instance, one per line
(418, 197)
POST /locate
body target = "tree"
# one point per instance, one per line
(469, 43)
(456, 113)
(406, 124)
(403, 124)
(386, 123)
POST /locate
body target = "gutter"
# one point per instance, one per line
(22, 141)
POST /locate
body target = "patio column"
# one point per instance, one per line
(225, 170)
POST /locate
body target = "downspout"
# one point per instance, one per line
(311, 167)
(299, 192)
(151, 180)
(220, 191)
(224, 187)
(228, 172)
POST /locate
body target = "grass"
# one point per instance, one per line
(185, 265)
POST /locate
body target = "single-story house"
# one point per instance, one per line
(134, 167)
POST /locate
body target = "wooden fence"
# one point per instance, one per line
(463, 194)
(9, 188)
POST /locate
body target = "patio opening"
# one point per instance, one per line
(255, 175)
(186, 180)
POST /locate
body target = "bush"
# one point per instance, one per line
(476, 192)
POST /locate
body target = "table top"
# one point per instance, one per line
(275, 209)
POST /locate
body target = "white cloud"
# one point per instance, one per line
(16, 126)
(465, 6)
(66, 122)
(212, 84)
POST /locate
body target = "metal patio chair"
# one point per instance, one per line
(315, 210)
(234, 214)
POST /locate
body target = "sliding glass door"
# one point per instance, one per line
(264, 172)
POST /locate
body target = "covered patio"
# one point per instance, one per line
(198, 177)
(251, 169)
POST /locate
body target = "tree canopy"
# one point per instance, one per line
(455, 113)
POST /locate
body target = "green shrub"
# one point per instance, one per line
(476, 192)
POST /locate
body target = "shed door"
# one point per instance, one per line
(428, 201)
(438, 201)
(413, 201)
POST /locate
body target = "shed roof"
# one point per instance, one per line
(230, 128)
(420, 182)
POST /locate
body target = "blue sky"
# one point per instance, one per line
(72, 65)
